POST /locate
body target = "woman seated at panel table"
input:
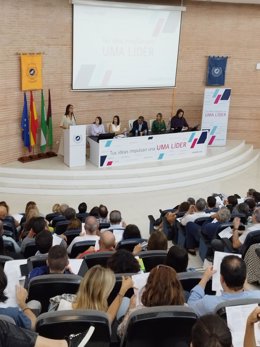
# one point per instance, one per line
(178, 122)
(115, 126)
(97, 127)
(158, 125)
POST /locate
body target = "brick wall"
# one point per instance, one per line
(207, 29)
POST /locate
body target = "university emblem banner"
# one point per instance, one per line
(31, 71)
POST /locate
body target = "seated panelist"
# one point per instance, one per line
(115, 126)
(140, 127)
(97, 127)
(178, 122)
(158, 125)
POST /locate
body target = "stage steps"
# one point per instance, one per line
(220, 162)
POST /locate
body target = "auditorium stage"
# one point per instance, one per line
(135, 190)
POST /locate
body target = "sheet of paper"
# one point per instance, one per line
(139, 283)
(236, 320)
(226, 233)
(218, 256)
(118, 234)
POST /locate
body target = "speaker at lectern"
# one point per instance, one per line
(75, 145)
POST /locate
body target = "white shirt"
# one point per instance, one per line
(97, 129)
(253, 227)
(192, 217)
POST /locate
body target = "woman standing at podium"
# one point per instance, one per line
(67, 120)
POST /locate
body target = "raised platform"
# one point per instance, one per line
(53, 177)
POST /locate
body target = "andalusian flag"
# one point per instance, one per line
(33, 121)
(49, 123)
(43, 125)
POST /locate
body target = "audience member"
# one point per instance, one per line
(57, 263)
(195, 212)
(17, 248)
(103, 213)
(256, 196)
(211, 331)
(232, 278)
(60, 217)
(157, 241)
(56, 208)
(209, 229)
(123, 261)
(22, 315)
(162, 288)
(177, 258)
(253, 318)
(231, 202)
(43, 241)
(74, 222)
(131, 232)
(211, 204)
(106, 242)
(8, 218)
(94, 212)
(250, 193)
(36, 225)
(94, 291)
(91, 232)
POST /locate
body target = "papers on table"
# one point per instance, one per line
(226, 233)
(236, 320)
(218, 256)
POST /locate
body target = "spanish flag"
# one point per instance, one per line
(33, 121)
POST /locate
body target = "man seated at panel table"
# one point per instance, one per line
(140, 127)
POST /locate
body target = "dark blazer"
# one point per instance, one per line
(136, 127)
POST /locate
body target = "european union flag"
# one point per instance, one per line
(216, 71)
(25, 125)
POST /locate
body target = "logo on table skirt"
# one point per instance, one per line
(77, 139)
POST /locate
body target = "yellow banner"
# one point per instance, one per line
(31, 71)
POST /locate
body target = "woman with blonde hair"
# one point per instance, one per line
(94, 291)
(162, 289)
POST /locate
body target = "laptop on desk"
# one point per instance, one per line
(105, 136)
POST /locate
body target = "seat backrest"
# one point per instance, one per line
(200, 221)
(103, 226)
(130, 124)
(151, 123)
(51, 215)
(190, 279)
(221, 308)
(80, 247)
(97, 258)
(82, 216)
(36, 261)
(251, 238)
(7, 319)
(4, 259)
(59, 324)
(117, 288)
(61, 227)
(129, 244)
(30, 249)
(57, 219)
(9, 246)
(44, 287)
(152, 258)
(71, 234)
(151, 223)
(159, 326)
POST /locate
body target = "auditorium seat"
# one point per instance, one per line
(71, 234)
(7, 319)
(44, 287)
(190, 279)
(152, 259)
(60, 324)
(129, 244)
(30, 249)
(103, 226)
(61, 227)
(80, 247)
(181, 233)
(97, 258)
(117, 287)
(9, 246)
(36, 261)
(10, 230)
(51, 215)
(151, 223)
(221, 308)
(4, 259)
(251, 238)
(162, 326)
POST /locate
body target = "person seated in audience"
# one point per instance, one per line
(32, 213)
(232, 278)
(117, 225)
(140, 127)
(115, 126)
(22, 314)
(242, 211)
(107, 243)
(251, 204)
(252, 319)
(131, 232)
(35, 226)
(231, 202)
(82, 214)
(158, 125)
(211, 331)
(57, 263)
(256, 196)
(94, 290)
(56, 208)
(157, 241)
(29, 205)
(123, 261)
(178, 122)
(177, 258)
(103, 214)
(94, 212)
(97, 127)
(238, 239)
(63, 208)
(162, 289)
(209, 229)
(5, 215)
(12, 335)
(211, 204)
(17, 248)
(195, 211)
(91, 232)
(74, 222)
(250, 193)
(252, 261)
(43, 241)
